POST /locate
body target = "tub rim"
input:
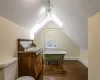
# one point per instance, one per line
(53, 52)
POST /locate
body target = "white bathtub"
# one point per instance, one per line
(54, 52)
(54, 55)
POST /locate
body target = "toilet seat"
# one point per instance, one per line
(26, 78)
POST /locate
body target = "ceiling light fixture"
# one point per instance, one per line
(52, 16)
(43, 10)
(45, 19)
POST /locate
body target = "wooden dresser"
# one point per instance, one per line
(30, 63)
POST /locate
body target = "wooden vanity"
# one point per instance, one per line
(29, 62)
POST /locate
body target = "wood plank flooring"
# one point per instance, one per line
(67, 70)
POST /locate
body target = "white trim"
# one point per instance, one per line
(84, 63)
(71, 58)
(78, 59)
(54, 52)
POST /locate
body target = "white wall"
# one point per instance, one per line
(94, 47)
(9, 33)
(52, 32)
(84, 56)
(74, 15)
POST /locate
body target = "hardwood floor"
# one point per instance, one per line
(67, 70)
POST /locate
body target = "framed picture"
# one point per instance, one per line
(51, 44)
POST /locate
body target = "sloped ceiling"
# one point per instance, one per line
(23, 12)
(93, 7)
(74, 16)
(73, 13)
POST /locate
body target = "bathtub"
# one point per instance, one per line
(54, 55)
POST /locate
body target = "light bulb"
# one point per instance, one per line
(43, 10)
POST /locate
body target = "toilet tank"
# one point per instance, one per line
(8, 68)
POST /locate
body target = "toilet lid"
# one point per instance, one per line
(26, 78)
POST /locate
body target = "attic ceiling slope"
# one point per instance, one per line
(93, 7)
(23, 12)
(73, 14)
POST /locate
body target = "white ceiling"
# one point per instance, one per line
(73, 13)
(23, 12)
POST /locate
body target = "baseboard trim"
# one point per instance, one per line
(71, 58)
(81, 61)
(78, 59)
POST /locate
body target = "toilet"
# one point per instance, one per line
(8, 68)
(26, 78)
